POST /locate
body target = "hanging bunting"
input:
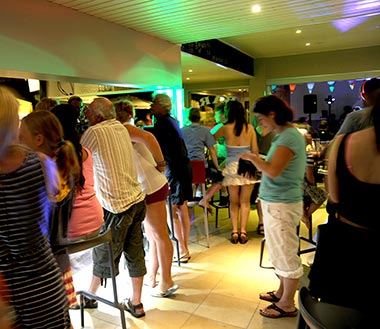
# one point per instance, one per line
(310, 87)
(351, 84)
(331, 86)
(273, 88)
(292, 87)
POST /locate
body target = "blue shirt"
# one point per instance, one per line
(356, 121)
(197, 137)
(288, 186)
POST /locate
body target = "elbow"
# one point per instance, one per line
(272, 174)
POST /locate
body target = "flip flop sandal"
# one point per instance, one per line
(167, 293)
(136, 310)
(272, 297)
(281, 312)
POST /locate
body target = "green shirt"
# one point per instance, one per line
(288, 186)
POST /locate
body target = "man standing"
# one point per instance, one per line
(178, 172)
(121, 197)
(362, 119)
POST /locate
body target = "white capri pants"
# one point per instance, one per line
(280, 223)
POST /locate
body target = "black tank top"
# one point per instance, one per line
(358, 201)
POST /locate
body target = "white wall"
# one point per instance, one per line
(50, 42)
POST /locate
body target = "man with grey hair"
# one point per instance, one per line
(178, 170)
(121, 196)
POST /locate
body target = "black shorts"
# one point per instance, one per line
(180, 182)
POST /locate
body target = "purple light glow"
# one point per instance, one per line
(355, 14)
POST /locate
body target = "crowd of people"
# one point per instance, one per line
(63, 180)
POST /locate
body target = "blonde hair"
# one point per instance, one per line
(9, 119)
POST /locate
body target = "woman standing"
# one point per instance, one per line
(281, 198)
(28, 181)
(348, 243)
(42, 132)
(240, 137)
(150, 166)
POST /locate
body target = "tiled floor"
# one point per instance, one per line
(219, 287)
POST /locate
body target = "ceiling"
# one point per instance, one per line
(327, 25)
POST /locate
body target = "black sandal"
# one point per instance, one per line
(260, 229)
(234, 237)
(136, 310)
(243, 238)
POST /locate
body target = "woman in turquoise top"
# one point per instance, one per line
(280, 195)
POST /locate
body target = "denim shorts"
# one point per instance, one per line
(127, 237)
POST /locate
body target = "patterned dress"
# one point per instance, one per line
(33, 277)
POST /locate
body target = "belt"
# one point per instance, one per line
(346, 221)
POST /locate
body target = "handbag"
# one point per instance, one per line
(246, 168)
(317, 195)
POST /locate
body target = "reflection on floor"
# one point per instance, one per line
(219, 287)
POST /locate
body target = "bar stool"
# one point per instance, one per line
(215, 203)
(199, 177)
(171, 228)
(102, 238)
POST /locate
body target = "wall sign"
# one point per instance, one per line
(221, 53)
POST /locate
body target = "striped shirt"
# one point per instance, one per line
(116, 183)
(33, 277)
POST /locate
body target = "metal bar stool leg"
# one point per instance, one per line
(171, 228)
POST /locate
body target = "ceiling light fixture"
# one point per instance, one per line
(307, 44)
(256, 8)
(298, 31)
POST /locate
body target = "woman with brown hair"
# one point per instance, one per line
(42, 132)
(240, 137)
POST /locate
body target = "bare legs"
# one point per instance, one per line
(206, 198)
(240, 197)
(160, 245)
(181, 220)
(137, 284)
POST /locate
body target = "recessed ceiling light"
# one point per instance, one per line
(190, 70)
(256, 8)
(307, 44)
(187, 78)
(298, 31)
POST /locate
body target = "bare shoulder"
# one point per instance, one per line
(364, 156)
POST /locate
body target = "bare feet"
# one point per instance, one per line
(306, 221)
(202, 203)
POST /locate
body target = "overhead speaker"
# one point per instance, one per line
(310, 103)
